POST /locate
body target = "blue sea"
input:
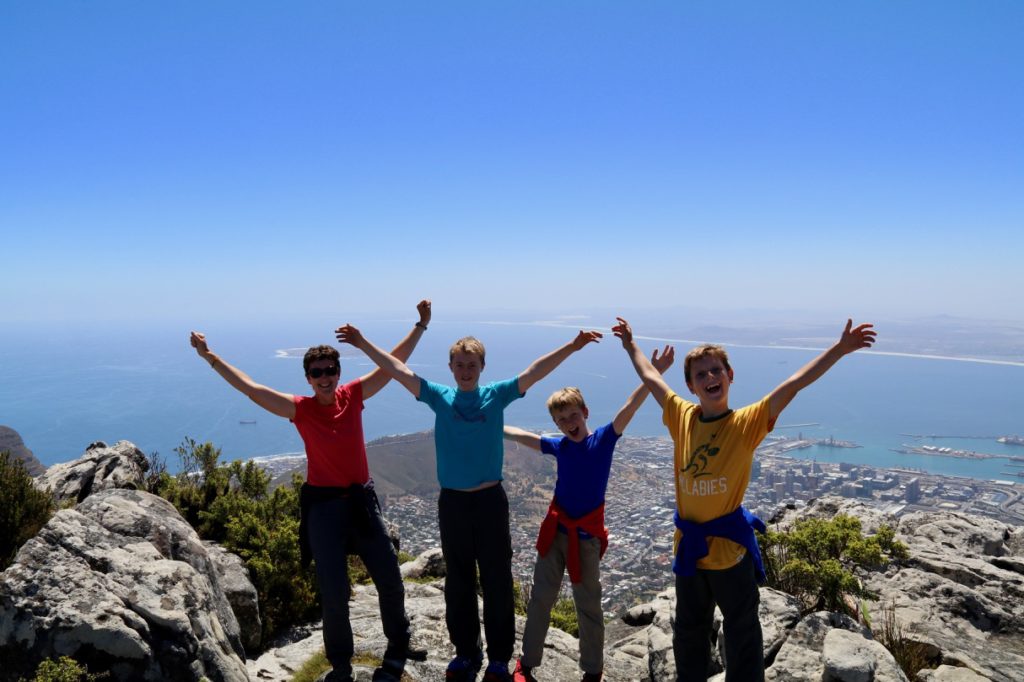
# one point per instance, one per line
(62, 389)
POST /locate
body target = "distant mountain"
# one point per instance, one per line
(11, 440)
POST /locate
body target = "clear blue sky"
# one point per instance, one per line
(241, 159)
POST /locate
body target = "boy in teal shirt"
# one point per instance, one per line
(472, 507)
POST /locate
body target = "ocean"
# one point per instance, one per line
(63, 389)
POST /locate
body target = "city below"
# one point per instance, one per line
(641, 499)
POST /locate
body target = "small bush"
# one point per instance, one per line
(563, 613)
(64, 669)
(24, 509)
(563, 616)
(815, 560)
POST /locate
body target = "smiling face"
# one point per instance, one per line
(466, 368)
(326, 383)
(709, 380)
(572, 421)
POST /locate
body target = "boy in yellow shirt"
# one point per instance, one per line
(717, 559)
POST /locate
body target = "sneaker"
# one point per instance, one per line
(464, 668)
(523, 673)
(591, 677)
(497, 671)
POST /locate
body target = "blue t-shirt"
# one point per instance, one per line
(583, 469)
(468, 428)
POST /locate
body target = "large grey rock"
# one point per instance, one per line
(122, 583)
(800, 657)
(430, 564)
(99, 468)
(851, 657)
(948, 673)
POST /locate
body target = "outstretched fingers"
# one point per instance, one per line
(585, 337)
(861, 336)
(623, 331)
(348, 334)
(664, 361)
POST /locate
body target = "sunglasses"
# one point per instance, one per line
(316, 372)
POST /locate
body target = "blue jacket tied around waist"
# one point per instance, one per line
(738, 526)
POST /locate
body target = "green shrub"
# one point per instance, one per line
(64, 669)
(563, 616)
(815, 560)
(24, 509)
(563, 613)
(312, 668)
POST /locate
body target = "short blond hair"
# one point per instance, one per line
(467, 344)
(569, 396)
(708, 350)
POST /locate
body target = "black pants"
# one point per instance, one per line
(474, 532)
(353, 525)
(736, 593)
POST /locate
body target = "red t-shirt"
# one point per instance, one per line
(333, 435)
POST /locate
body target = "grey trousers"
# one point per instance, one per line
(333, 536)
(547, 582)
(736, 593)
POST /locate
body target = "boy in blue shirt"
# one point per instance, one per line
(573, 534)
(472, 508)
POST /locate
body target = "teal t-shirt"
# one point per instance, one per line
(468, 428)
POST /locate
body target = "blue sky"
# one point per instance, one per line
(233, 160)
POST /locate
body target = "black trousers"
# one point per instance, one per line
(736, 593)
(353, 525)
(475, 533)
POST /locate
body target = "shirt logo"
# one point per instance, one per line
(698, 465)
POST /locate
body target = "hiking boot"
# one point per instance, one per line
(591, 677)
(464, 668)
(497, 671)
(523, 673)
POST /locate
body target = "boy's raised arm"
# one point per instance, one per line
(639, 395)
(275, 402)
(393, 367)
(530, 440)
(852, 338)
(648, 374)
(544, 365)
(373, 381)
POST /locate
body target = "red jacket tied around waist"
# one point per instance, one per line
(592, 523)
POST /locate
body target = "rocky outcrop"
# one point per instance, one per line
(99, 468)
(121, 583)
(961, 593)
(11, 441)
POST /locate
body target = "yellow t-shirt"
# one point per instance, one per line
(712, 466)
